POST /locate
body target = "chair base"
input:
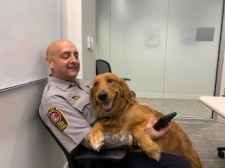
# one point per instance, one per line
(221, 151)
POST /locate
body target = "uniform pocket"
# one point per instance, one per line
(80, 100)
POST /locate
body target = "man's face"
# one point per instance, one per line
(64, 61)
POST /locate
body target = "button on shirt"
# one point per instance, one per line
(66, 110)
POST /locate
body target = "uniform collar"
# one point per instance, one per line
(81, 83)
(62, 84)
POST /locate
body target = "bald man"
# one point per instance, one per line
(66, 110)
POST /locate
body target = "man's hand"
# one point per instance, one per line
(146, 106)
(152, 132)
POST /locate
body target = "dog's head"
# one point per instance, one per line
(109, 93)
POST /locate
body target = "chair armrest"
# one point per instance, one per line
(110, 154)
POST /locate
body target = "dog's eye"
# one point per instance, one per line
(96, 84)
(110, 80)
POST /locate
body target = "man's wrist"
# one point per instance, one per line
(135, 143)
(130, 142)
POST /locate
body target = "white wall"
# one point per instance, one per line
(71, 25)
(222, 87)
(171, 59)
(88, 29)
(25, 32)
(24, 141)
(79, 23)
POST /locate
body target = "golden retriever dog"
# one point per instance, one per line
(119, 112)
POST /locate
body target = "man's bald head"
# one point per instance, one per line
(55, 47)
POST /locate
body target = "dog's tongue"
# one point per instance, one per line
(107, 106)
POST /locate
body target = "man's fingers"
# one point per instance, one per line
(151, 121)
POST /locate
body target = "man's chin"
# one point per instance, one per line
(73, 75)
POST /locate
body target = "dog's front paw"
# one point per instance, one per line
(156, 156)
(97, 140)
(154, 152)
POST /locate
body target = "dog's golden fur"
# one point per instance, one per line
(116, 105)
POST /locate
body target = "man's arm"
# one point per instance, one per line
(127, 140)
(112, 141)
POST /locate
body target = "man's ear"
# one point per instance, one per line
(49, 62)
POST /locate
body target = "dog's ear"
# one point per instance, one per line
(126, 92)
(92, 96)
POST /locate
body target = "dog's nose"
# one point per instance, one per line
(102, 95)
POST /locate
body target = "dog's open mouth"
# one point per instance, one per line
(108, 106)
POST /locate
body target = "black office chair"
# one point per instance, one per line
(103, 66)
(221, 152)
(81, 157)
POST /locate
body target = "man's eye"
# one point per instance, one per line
(65, 55)
(76, 54)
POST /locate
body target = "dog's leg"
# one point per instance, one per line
(97, 136)
(145, 142)
(177, 142)
(193, 158)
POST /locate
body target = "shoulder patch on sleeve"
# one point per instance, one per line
(57, 118)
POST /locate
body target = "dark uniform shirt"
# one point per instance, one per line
(66, 110)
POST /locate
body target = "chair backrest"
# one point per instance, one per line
(102, 66)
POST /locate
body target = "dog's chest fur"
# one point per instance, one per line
(124, 121)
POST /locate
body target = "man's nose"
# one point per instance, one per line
(73, 58)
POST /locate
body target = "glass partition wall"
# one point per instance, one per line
(169, 49)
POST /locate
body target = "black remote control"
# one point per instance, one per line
(164, 120)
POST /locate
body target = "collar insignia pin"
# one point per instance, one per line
(76, 97)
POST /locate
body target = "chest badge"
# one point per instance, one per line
(76, 97)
